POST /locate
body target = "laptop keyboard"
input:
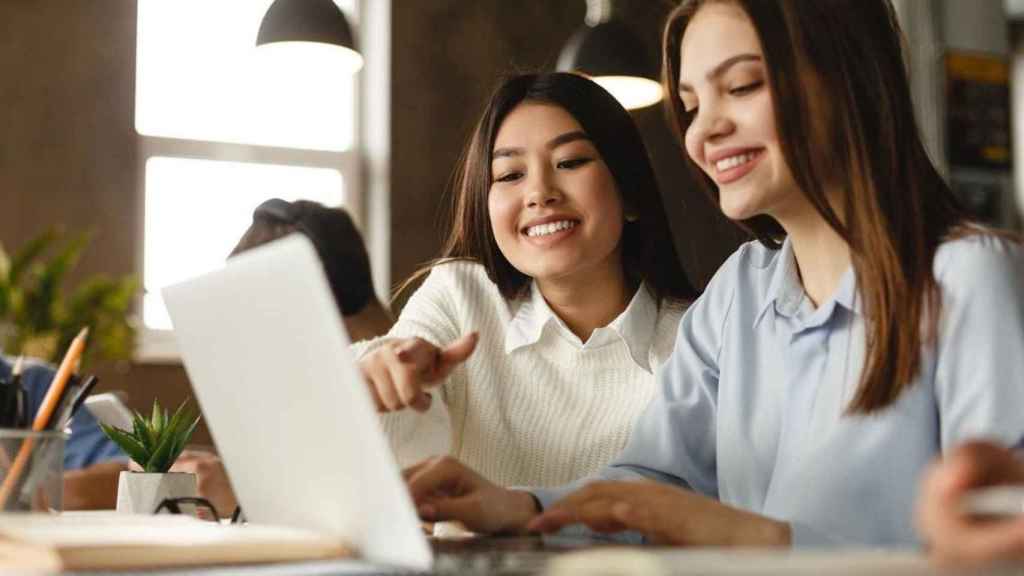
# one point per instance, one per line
(505, 556)
(505, 563)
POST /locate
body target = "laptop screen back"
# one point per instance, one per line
(266, 350)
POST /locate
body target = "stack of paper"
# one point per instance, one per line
(117, 541)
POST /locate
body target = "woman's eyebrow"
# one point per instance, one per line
(551, 145)
(566, 138)
(722, 67)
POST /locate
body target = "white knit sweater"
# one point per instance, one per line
(533, 405)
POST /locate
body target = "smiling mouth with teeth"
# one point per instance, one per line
(549, 228)
(734, 161)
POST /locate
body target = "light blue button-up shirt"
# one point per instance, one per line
(751, 402)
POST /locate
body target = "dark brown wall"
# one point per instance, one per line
(68, 150)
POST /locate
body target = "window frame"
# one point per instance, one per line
(367, 199)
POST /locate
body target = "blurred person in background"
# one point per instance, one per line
(347, 267)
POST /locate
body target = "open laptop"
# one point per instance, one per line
(268, 356)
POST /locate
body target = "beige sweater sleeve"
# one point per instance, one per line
(429, 314)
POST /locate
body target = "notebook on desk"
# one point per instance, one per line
(266, 351)
(106, 540)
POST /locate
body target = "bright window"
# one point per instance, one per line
(196, 210)
(223, 127)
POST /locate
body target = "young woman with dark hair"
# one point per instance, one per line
(531, 345)
(869, 328)
(347, 266)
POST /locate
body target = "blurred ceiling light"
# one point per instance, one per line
(611, 55)
(299, 23)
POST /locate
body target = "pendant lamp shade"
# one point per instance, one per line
(611, 55)
(316, 21)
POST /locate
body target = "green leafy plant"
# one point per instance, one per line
(155, 444)
(39, 318)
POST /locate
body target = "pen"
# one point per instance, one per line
(60, 381)
(74, 402)
(8, 406)
(20, 410)
(63, 404)
(19, 365)
(87, 387)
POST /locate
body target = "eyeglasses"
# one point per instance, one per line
(173, 506)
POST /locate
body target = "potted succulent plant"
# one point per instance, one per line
(154, 444)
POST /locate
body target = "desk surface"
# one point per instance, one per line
(624, 561)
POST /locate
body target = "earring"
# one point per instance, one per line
(631, 217)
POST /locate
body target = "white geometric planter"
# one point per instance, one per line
(142, 492)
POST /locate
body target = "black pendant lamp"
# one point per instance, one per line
(608, 52)
(317, 21)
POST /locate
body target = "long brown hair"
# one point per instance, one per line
(648, 252)
(844, 117)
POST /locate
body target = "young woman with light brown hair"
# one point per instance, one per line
(870, 327)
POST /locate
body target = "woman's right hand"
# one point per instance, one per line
(399, 372)
(955, 537)
(444, 489)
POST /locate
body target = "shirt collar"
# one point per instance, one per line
(785, 289)
(787, 292)
(529, 321)
(635, 325)
(846, 294)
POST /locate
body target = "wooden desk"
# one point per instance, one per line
(648, 562)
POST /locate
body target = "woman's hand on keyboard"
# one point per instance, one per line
(445, 489)
(664, 514)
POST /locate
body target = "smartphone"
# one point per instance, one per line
(995, 502)
(109, 409)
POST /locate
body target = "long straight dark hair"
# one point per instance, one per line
(648, 252)
(845, 117)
